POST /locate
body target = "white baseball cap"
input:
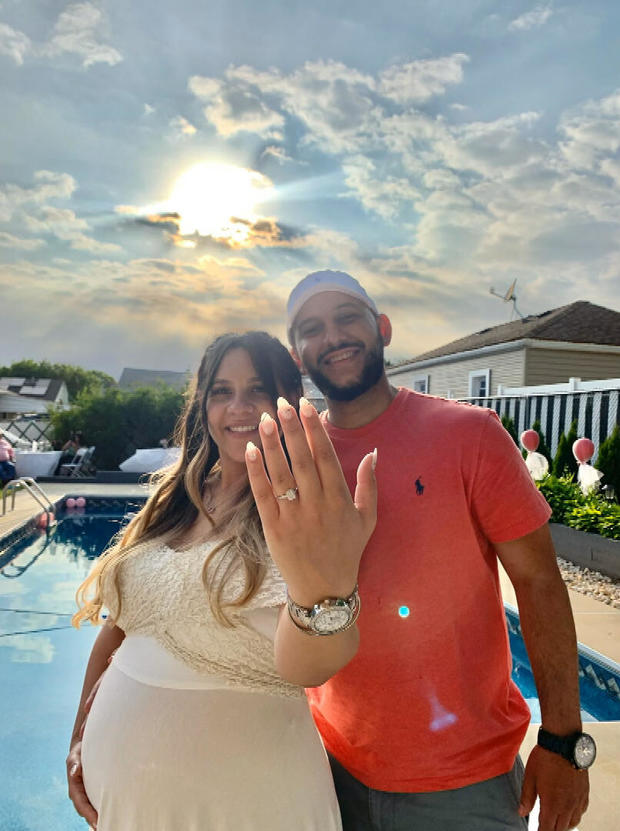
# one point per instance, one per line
(318, 282)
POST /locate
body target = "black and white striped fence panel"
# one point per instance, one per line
(597, 413)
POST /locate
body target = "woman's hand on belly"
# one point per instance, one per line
(77, 791)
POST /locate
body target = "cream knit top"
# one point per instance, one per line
(163, 597)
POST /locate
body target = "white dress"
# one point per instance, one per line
(192, 729)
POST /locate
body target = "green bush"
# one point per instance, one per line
(564, 462)
(596, 516)
(571, 507)
(562, 494)
(509, 425)
(608, 460)
(543, 449)
(118, 422)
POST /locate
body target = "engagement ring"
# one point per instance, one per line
(290, 494)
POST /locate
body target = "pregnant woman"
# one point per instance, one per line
(200, 723)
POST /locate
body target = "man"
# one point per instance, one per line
(423, 726)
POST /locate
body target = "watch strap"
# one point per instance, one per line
(562, 745)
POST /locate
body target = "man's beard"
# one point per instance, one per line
(372, 371)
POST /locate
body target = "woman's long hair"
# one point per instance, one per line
(180, 490)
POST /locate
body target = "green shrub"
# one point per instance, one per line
(570, 507)
(608, 460)
(596, 516)
(562, 493)
(564, 462)
(543, 449)
(509, 425)
(119, 422)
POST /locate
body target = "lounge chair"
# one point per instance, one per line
(78, 468)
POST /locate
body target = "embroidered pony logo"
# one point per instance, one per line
(419, 487)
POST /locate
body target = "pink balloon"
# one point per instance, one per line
(4, 455)
(530, 440)
(71, 502)
(80, 502)
(583, 450)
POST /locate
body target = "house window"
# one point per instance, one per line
(421, 383)
(480, 383)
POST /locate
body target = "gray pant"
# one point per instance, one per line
(486, 806)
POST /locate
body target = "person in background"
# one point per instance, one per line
(201, 721)
(69, 449)
(424, 724)
(7, 461)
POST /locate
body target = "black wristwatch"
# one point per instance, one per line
(578, 748)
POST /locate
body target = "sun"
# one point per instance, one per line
(218, 200)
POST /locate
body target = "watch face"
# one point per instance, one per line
(331, 620)
(585, 751)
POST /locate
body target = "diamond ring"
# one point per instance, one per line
(290, 494)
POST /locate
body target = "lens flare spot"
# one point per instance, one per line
(403, 611)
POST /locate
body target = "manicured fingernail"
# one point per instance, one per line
(251, 451)
(268, 423)
(374, 458)
(306, 407)
(285, 410)
(73, 770)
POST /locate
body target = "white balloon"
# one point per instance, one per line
(537, 465)
(589, 478)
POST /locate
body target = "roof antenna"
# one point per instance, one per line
(509, 297)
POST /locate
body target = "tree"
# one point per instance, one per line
(564, 462)
(543, 449)
(75, 377)
(119, 422)
(608, 460)
(509, 425)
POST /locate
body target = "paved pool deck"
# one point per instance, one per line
(598, 626)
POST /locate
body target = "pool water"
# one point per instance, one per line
(42, 663)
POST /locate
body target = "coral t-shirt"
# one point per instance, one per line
(428, 703)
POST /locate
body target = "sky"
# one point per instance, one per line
(168, 171)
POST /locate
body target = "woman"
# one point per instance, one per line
(7, 461)
(201, 722)
(69, 450)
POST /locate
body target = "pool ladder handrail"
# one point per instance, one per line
(35, 490)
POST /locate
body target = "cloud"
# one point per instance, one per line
(538, 16)
(48, 185)
(338, 106)
(423, 79)
(235, 106)
(65, 225)
(19, 244)
(279, 154)
(14, 44)
(591, 133)
(30, 208)
(241, 232)
(377, 189)
(181, 126)
(78, 31)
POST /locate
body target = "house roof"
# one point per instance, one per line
(579, 322)
(43, 389)
(132, 378)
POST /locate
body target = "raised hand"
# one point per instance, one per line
(315, 532)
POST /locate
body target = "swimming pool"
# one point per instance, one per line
(43, 659)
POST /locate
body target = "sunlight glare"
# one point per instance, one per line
(210, 196)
